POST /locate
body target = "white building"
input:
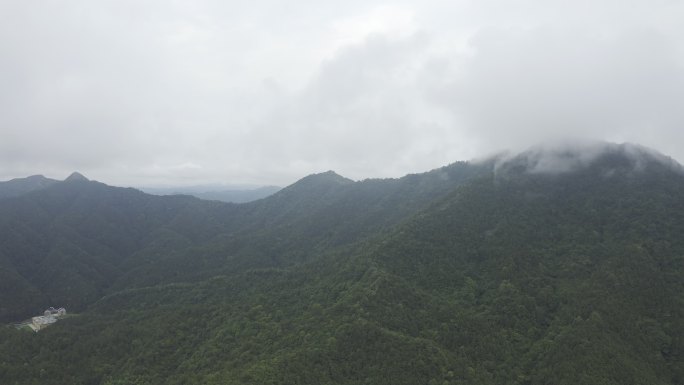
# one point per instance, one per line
(55, 312)
(42, 321)
(49, 317)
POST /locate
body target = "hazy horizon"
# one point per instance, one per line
(558, 156)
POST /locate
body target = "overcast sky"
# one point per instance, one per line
(171, 92)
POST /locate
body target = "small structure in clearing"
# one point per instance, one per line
(49, 317)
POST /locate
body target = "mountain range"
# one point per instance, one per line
(561, 265)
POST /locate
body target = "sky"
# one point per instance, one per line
(264, 92)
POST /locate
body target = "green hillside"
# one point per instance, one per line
(66, 243)
(74, 241)
(505, 272)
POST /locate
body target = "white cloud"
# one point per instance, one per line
(268, 91)
(381, 20)
(545, 83)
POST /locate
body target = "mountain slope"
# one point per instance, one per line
(513, 277)
(76, 240)
(318, 214)
(579, 274)
(67, 241)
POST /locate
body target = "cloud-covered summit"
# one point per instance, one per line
(568, 156)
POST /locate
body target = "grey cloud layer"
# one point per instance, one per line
(196, 92)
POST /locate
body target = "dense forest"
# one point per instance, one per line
(542, 268)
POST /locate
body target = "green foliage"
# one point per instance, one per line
(451, 277)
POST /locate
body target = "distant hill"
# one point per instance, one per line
(238, 196)
(19, 186)
(553, 266)
(217, 193)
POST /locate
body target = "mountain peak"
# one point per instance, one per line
(76, 176)
(326, 177)
(316, 184)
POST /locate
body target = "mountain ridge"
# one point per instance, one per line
(19, 186)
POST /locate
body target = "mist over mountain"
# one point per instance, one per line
(562, 264)
(567, 156)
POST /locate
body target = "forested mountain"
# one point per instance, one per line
(65, 243)
(550, 267)
(74, 241)
(20, 186)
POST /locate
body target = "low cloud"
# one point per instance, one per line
(572, 155)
